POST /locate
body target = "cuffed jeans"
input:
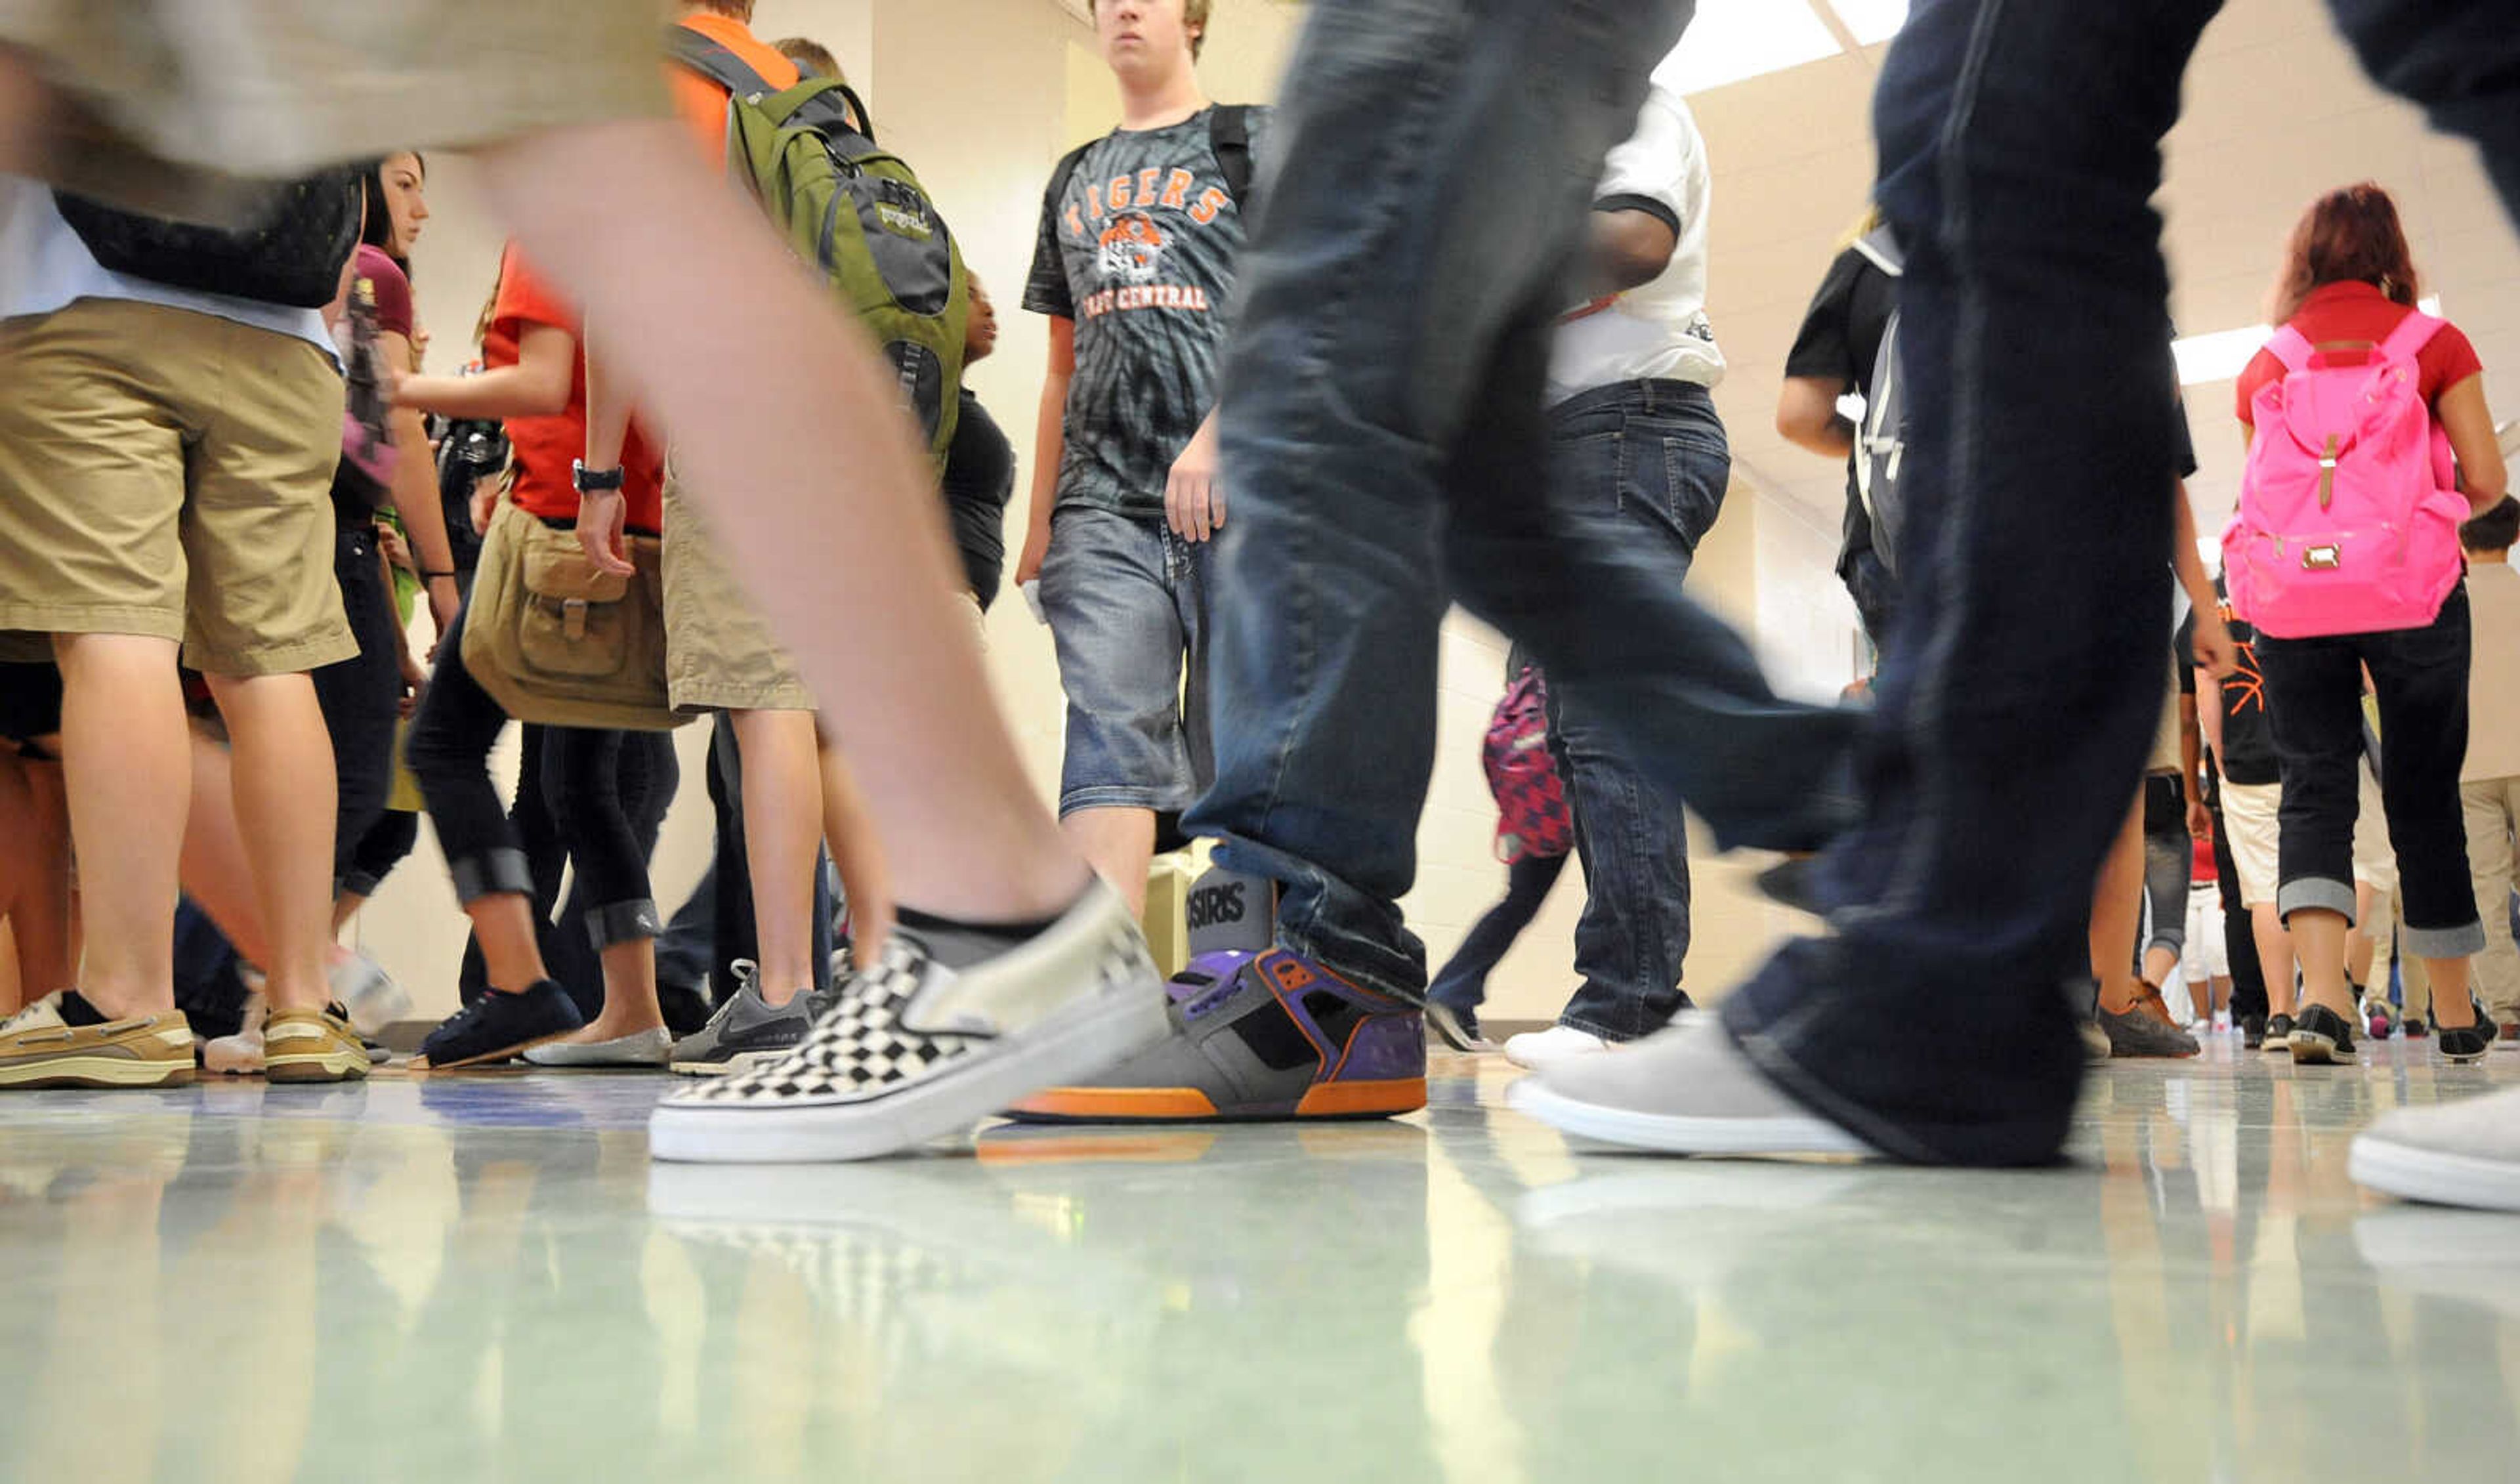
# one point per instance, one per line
(2019, 151)
(1647, 461)
(1384, 438)
(2314, 699)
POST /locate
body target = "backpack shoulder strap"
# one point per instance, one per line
(2292, 347)
(1228, 134)
(2412, 335)
(1881, 248)
(714, 61)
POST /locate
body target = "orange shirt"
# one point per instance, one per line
(702, 102)
(547, 447)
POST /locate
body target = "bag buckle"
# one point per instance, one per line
(572, 618)
(2321, 558)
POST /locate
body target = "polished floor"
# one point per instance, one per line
(480, 1278)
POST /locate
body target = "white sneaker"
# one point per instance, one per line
(239, 1054)
(942, 1030)
(1684, 1091)
(640, 1049)
(1536, 1049)
(2462, 1153)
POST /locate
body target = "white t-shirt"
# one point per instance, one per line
(2493, 687)
(1656, 330)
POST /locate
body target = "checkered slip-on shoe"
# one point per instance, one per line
(941, 1031)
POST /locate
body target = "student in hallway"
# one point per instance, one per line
(1135, 266)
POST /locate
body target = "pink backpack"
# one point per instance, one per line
(2348, 524)
(1531, 802)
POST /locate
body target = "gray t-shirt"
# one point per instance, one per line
(1140, 251)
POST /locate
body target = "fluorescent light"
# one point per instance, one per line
(1870, 20)
(1736, 39)
(2223, 354)
(2217, 357)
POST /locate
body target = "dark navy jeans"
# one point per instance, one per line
(1646, 463)
(1386, 447)
(2019, 152)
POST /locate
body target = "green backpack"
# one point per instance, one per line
(856, 214)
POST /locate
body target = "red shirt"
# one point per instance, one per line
(2201, 870)
(2354, 312)
(548, 447)
(386, 287)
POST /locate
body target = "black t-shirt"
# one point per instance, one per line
(2248, 737)
(1140, 254)
(979, 480)
(1839, 341)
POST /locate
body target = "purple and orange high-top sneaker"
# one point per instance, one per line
(1259, 1036)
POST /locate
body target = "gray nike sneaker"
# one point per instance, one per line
(746, 1028)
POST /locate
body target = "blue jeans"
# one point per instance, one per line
(1127, 603)
(1462, 983)
(2019, 152)
(1387, 452)
(1648, 462)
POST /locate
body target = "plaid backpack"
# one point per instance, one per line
(1531, 800)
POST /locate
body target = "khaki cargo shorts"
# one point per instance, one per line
(719, 654)
(169, 473)
(177, 105)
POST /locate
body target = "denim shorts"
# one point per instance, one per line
(1127, 602)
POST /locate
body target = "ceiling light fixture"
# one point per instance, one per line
(1733, 41)
(1870, 20)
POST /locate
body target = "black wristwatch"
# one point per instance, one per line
(590, 482)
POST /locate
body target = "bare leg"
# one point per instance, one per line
(2452, 1009)
(2117, 908)
(283, 789)
(2222, 993)
(1120, 844)
(346, 907)
(2358, 938)
(849, 828)
(2319, 937)
(2276, 955)
(2159, 963)
(216, 872)
(124, 743)
(34, 882)
(2200, 997)
(629, 993)
(837, 559)
(503, 924)
(782, 831)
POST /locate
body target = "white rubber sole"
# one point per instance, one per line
(1067, 1046)
(2434, 1177)
(741, 1062)
(98, 1071)
(1673, 1134)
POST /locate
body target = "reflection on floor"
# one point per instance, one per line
(473, 1277)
